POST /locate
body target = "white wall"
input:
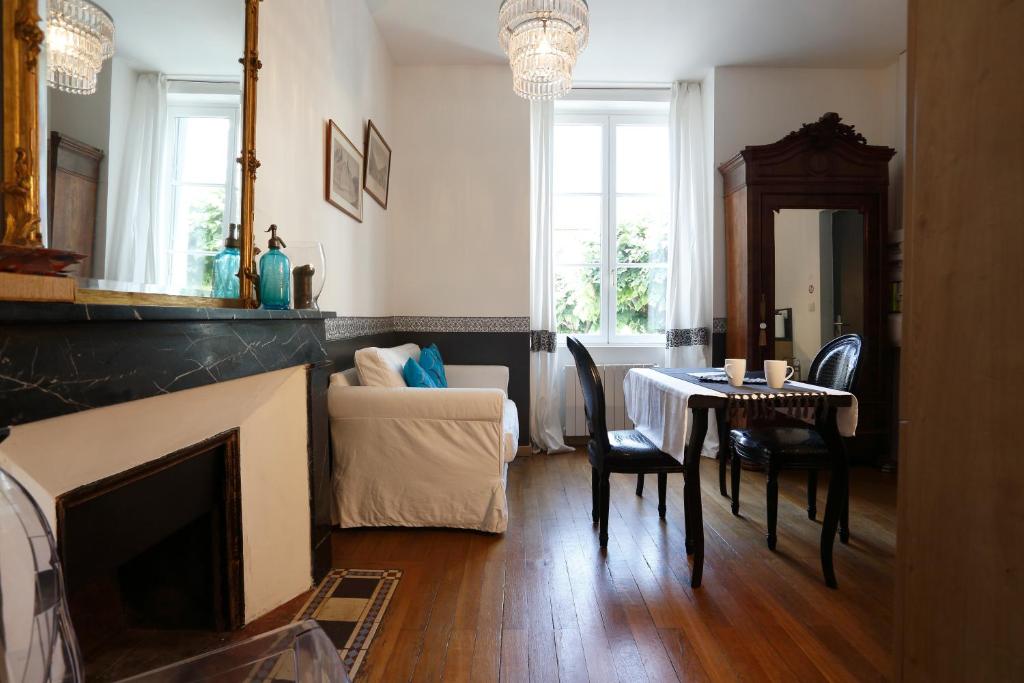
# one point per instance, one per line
(324, 62)
(461, 193)
(57, 455)
(758, 105)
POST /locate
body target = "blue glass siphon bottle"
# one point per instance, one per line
(225, 266)
(275, 274)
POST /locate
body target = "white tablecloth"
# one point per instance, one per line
(657, 405)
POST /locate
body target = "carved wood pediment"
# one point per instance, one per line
(826, 130)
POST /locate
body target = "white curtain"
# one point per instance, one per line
(545, 419)
(688, 336)
(137, 239)
(691, 241)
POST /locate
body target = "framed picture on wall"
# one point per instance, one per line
(344, 175)
(378, 165)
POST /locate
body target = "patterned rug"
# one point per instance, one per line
(349, 605)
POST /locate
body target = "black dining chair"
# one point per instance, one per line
(790, 444)
(618, 451)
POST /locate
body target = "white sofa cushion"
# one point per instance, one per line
(378, 367)
(510, 430)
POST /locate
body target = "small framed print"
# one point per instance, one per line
(377, 176)
(344, 175)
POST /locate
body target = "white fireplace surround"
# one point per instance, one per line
(51, 457)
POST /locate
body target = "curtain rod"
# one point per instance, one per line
(623, 87)
(209, 79)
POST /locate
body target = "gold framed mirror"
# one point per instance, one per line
(138, 213)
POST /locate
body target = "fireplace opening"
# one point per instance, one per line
(156, 548)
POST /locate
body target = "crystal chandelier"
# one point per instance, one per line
(542, 39)
(79, 37)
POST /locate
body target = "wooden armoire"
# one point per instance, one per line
(825, 165)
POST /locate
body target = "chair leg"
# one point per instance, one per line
(595, 494)
(724, 447)
(735, 484)
(640, 484)
(812, 494)
(662, 488)
(844, 519)
(605, 492)
(773, 502)
(836, 501)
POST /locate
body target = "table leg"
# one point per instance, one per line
(837, 487)
(691, 494)
(722, 420)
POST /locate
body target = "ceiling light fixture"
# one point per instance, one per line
(543, 39)
(79, 38)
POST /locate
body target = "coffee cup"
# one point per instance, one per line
(777, 372)
(736, 370)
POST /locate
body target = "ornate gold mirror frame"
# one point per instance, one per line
(22, 36)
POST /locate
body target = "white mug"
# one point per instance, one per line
(777, 372)
(735, 370)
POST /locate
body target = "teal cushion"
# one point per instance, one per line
(416, 376)
(430, 359)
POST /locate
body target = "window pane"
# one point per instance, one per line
(641, 234)
(203, 146)
(578, 152)
(198, 231)
(577, 229)
(578, 299)
(200, 272)
(641, 159)
(640, 300)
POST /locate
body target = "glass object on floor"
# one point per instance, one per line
(37, 642)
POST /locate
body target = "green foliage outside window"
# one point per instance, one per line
(206, 235)
(640, 291)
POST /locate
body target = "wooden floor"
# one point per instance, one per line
(544, 603)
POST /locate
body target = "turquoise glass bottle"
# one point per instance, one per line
(275, 274)
(225, 267)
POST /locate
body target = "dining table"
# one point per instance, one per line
(670, 406)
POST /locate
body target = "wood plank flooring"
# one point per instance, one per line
(544, 603)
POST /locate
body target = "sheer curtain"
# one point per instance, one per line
(691, 241)
(545, 419)
(136, 240)
(688, 335)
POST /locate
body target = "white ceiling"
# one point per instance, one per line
(648, 41)
(182, 37)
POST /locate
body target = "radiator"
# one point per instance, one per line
(615, 404)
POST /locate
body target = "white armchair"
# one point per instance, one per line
(423, 457)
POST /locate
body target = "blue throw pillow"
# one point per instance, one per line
(416, 376)
(430, 359)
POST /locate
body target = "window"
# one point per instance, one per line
(205, 185)
(611, 206)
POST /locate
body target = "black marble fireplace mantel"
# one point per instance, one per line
(57, 359)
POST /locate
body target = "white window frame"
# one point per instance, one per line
(608, 120)
(198, 106)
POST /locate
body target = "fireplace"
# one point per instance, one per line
(156, 548)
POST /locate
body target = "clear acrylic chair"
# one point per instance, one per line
(38, 644)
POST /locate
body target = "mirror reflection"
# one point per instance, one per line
(142, 144)
(819, 281)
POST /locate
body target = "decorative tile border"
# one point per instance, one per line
(347, 328)
(405, 323)
(718, 326)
